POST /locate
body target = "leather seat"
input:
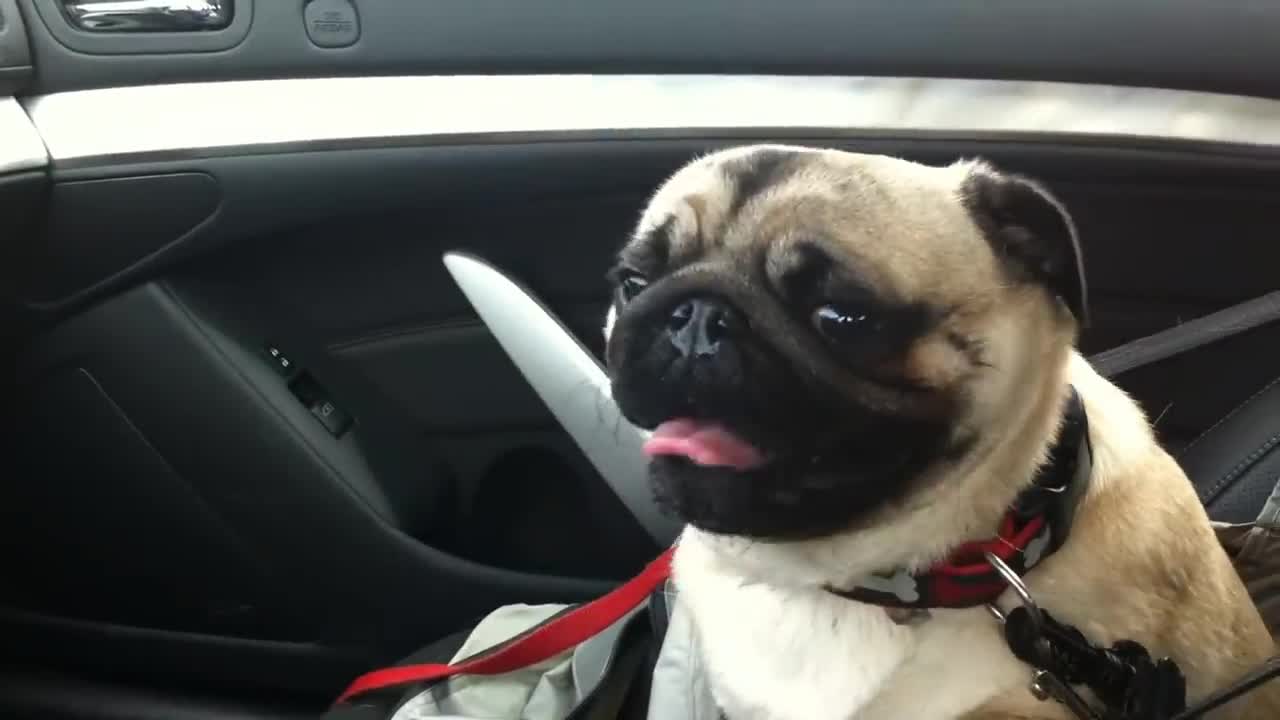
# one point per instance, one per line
(1235, 464)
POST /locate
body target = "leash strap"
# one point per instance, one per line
(1130, 684)
(1125, 678)
(1268, 670)
(558, 635)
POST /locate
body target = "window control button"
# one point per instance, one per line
(335, 420)
(280, 361)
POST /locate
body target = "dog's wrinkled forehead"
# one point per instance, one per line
(901, 226)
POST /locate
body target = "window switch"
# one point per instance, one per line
(336, 421)
(315, 399)
(280, 361)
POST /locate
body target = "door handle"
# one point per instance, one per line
(149, 15)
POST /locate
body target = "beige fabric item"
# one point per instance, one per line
(1255, 551)
(538, 692)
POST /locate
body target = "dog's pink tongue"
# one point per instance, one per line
(703, 443)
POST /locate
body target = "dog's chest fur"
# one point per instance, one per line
(781, 653)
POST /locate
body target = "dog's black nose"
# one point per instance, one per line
(698, 325)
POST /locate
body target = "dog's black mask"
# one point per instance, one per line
(688, 350)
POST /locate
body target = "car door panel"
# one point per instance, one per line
(1218, 47)
(175, 528)
(99, 228)
(355, 279)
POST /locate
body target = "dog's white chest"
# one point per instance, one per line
(805, 654)
(959, 661)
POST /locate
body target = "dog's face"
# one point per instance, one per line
(812, 334)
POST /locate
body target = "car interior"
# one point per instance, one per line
(258, 441)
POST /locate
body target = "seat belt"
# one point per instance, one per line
(1188, 336)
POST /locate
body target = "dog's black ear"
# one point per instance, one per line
(1031, 232)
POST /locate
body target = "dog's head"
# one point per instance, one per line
(815, 336)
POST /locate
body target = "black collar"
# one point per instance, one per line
(1035, 527)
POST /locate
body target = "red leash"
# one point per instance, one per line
(547, 641)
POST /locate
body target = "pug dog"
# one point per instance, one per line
(853, 365)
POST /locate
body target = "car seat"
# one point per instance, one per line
(1235, 464)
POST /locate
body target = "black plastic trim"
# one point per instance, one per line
(264, 193)
(98, 228)
(15, 54)
(70, 696)
(241, 663)
(24, 198)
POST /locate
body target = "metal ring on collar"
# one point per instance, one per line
(1019, 587)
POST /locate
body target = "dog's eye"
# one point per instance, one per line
(844, 325)
(630, 284)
